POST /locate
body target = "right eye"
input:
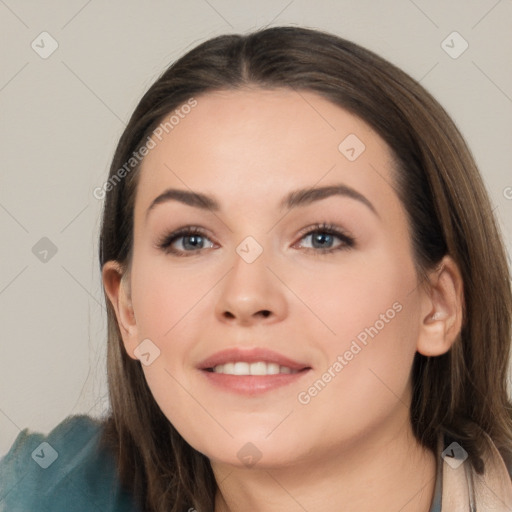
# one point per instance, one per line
(191, 239)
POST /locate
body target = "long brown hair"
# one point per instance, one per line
(462, 392)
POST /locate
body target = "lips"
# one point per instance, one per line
(254, 355)
(231, 371)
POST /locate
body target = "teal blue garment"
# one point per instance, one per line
(81, 478)
(62, 472)
(68, 471)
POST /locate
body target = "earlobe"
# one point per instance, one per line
(442, 309)
(115, 282)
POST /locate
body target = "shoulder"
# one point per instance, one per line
(489, 489)
(507, 459)
(494, 487)
(66, 469)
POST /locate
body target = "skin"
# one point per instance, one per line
(352, 444)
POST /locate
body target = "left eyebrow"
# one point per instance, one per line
(307, 196)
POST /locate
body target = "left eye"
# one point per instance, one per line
(322, 238)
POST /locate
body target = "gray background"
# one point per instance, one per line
(61, 117)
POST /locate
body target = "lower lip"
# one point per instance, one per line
(253, 384)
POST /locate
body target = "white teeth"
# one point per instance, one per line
(259, 368)
(256, 368)
(228, 368)
(273, 368)
(241, 368)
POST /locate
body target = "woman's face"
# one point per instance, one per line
(263, 289)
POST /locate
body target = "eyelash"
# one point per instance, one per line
(348, 242)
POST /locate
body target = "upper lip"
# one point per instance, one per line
(250, 355)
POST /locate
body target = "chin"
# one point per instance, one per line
(251, 451)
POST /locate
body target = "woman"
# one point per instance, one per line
(297, 251)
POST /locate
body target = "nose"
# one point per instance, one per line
(250, 294)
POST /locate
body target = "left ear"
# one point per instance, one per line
(441, 310)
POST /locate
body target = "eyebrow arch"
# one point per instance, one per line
(195, 199)
(306, 196)
(294, 199)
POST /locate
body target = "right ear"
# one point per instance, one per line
(117, 288)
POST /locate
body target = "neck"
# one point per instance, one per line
(390, 472)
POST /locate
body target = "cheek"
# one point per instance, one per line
(361, 293)
(366, 381)
(166, 297)
(371, 309)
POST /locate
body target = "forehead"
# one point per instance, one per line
(252, 145)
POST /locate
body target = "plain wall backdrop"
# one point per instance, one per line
(64, 107)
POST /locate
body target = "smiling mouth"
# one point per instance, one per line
(243, 368)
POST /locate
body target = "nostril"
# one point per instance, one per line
(264, 312)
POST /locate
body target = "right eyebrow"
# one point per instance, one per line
(195, 199)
